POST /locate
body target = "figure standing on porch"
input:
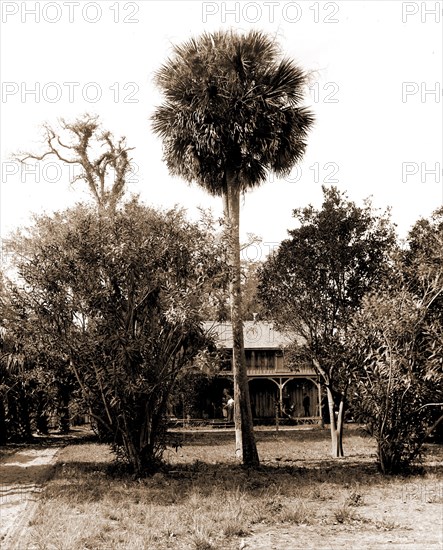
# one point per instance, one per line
(307, 404)
(228, 406)
(230, 410)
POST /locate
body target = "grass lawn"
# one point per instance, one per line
(299, 499)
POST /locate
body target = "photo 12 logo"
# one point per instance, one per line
(429, 493)
(328, 93)
(258, 250)
(326, 173)
(421, 171)
(270, 12)
(421, 91)
(425, 12)
(71, 92)
(53, 172)
(70, 12)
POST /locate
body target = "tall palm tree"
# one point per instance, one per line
(231, 114)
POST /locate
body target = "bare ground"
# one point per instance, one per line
(22, 476)
(338, 503)
(24, 470)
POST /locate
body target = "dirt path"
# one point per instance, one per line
(22, 476)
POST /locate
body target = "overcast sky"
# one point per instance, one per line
(376, 93)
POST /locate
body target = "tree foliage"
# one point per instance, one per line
(27, 384)
(397, 338)
(232, 104)
(95, 156)
(316, 280)
(118, 297)
(102, 161)
(396, 359)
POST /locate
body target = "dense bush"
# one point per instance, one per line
(117, 296)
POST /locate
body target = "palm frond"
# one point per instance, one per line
(231, 104)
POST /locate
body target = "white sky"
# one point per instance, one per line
(377, 98)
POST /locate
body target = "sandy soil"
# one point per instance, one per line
(405, 514)
(22, 476)
(418, 526)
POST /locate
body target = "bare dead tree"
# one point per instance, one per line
(104, 172)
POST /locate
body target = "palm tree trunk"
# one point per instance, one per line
(245, 446)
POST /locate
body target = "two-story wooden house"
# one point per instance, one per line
(276, 386)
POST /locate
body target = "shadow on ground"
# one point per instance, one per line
(92, 482)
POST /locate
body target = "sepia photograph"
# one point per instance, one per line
(221, 275)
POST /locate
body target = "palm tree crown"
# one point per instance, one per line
(232, 106)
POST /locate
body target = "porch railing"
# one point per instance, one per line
(274, 372)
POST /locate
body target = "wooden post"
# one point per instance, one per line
(276, 416)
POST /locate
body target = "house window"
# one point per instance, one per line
(261, 360)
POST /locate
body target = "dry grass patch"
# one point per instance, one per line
(203, 500)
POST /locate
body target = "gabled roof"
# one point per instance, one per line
(257, 335)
